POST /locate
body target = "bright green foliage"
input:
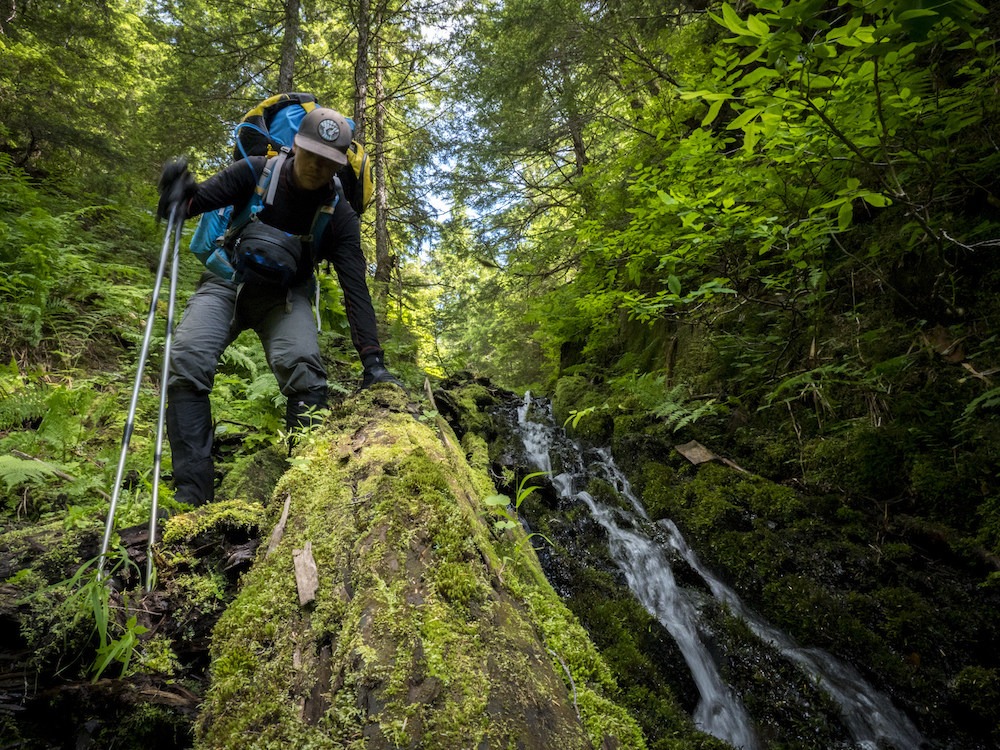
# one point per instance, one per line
(16, 471)
(72, 87)
(61, 276)
(813, 162)
(86, 597)
(500, 503)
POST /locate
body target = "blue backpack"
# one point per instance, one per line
(267, 130)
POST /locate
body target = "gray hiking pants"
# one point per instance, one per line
(213, 318)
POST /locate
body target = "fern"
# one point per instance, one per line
(237, 356)
(18, 471)
(673, 405)
(75, 330)
(685, 416)
(20, 407)
(264, 388)
(985, 402)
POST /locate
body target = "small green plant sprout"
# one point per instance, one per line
(500, 504)
(90, 597)
(575, 415)
(507, 519)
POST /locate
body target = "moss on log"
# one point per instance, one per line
(428, 628)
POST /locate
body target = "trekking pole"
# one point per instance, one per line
(165, 373)
(130, 419)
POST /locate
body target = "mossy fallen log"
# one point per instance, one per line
(427, 627)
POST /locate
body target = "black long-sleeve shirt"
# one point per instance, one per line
(293, 211)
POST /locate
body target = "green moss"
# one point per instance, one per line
(714, 500)
(659, 485)
(26, 580)
(452, 582)
(156, 656)
(862, 461)
(144, 725)
(254, 477)
(576, 394)
(229, 514)
(198, 594)
(473, 399)
(411, 621)
(604, 718)
(477, 451)
(56, 626)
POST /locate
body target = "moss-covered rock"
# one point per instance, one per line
(584, 404)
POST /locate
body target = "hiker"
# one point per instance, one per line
(280, 312)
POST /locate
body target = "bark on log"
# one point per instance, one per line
(427, 630)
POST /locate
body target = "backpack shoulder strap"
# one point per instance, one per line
(272, 188)
(257, 201)
(325, 213)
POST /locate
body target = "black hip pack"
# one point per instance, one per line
(266, 256)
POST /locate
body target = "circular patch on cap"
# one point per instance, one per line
(329, 130)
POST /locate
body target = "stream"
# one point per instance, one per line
(643, 549)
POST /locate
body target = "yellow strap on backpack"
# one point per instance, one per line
(362, 167)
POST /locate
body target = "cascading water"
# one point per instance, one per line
(868, 715)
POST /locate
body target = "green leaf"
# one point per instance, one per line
(755, 75)
(674, 284)
(713, 112)
(906, 15)
(497, 500)
(754, 55)
(732, 20)
(820, 82)
(844, 216)
(744, 118)
(876, 199)
(17, 471)
(757, 26)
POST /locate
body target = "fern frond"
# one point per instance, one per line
(22, 406)
(263, 387)
(18, 471)
(241, 357)
(74, 328)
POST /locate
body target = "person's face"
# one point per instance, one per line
(311, 171)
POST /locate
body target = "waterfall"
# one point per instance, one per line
(868, 714)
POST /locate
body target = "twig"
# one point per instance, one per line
(279, 529)
(430, 393)
(984, 243)
(571, 683)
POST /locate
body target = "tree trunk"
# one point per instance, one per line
(412, 629)
(361, 71)
(289, 46)
(8, 12)
(383, 259)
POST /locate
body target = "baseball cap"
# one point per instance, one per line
(325, 132)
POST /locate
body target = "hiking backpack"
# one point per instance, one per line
(269, 130)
